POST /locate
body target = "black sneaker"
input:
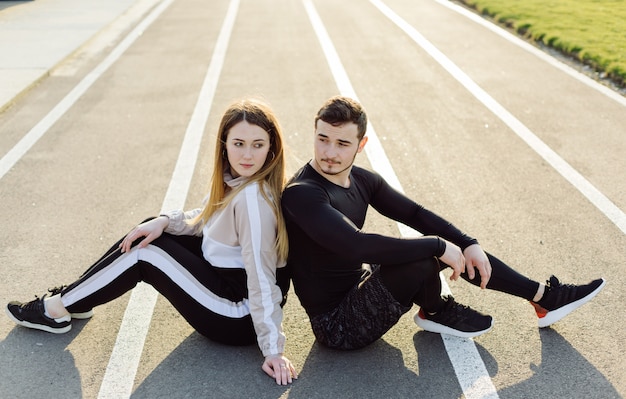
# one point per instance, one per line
(78, 315)
(559, 300)
(31, 315)
(454, 319)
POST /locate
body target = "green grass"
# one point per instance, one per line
(591, 31)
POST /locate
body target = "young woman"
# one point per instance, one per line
(220, 266)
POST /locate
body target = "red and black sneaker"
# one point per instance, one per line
(559, 300)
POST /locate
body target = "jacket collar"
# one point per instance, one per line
(233, 182)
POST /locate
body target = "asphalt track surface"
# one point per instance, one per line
(512, 146)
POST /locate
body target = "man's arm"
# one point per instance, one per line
(308, 206)
(397, 206)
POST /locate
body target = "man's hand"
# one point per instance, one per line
(279, 368)
(453, 257)
(475, 258)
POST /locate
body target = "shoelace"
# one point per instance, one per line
(34, 304)
(555, 283)
(557, 292)
(460, 311)
(56, 290)
(453, 309)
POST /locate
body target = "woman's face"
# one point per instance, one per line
(247, 147)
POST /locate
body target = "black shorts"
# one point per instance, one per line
(366, 313)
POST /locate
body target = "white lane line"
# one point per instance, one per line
(120, 372)
(604, 204)
(535, 51)
(468, 365)
(37, 132)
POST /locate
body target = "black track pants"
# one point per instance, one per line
(418, 282)
(213, 300)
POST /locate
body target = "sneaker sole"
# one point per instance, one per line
(41, 327)
(83, 315)
(433, 327)
(555, 315)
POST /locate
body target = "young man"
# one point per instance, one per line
(356, 285)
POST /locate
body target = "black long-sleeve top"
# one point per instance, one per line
(327, 246)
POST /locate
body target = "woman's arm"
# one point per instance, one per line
(256, 227)
(151, 230)
(178, 222)
(173, 222)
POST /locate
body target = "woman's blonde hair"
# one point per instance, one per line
(271, 177)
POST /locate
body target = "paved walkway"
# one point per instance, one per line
(36, 36)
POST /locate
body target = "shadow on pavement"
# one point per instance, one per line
(37, 364)
(202, 368)
(563, 373)
(199, 367)
(379, 371)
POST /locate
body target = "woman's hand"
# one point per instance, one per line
(152, 229)
(279, 368)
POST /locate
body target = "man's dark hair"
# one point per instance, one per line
(340, 110)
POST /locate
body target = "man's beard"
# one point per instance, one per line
(334, 173)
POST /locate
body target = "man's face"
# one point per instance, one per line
(336, 147)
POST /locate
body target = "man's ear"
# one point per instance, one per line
(362, 144)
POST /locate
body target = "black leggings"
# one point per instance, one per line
(419, 282)
(212, 300)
